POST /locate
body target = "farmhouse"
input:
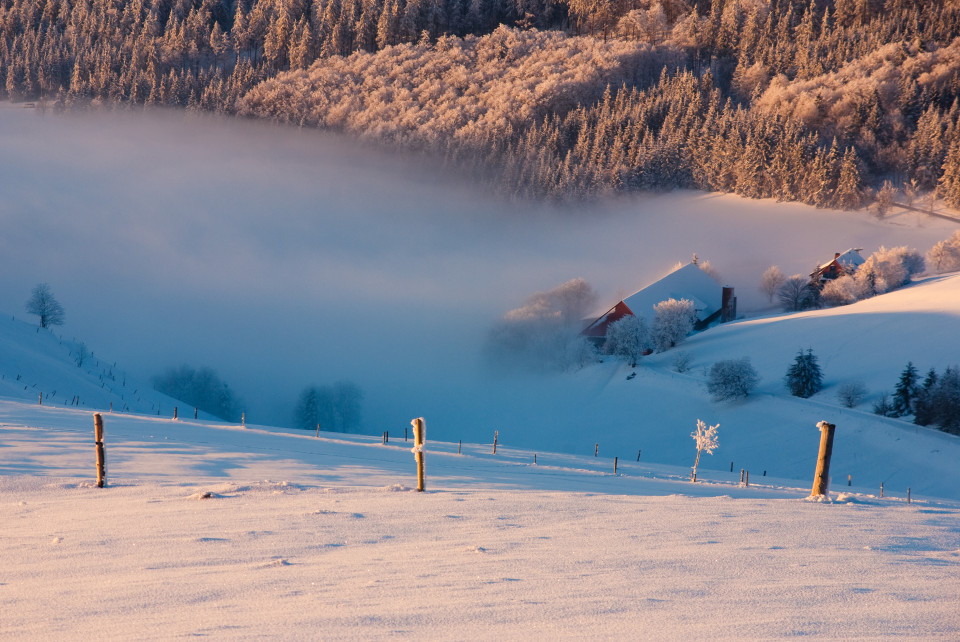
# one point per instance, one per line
(688, 282)
(842, 263)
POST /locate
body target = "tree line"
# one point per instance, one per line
(830, 102)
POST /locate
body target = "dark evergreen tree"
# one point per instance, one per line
(905, 393)
(804, 378)
(923, 406)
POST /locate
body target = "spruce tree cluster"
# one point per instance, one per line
(804, 378)
(798, 100)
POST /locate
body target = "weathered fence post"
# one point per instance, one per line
(534, 459)
(175, 409)
(41, 398)
(850, 480)
(638, 454)
(821, 479)
(614, 465)
(742, 471)
(101, 455)
(496, 435)
(881, 489)
(318, 429)
(596, 449)
(459, 446)
(731, 466)
(243, 419)
(908, 495)
(418, 437)
(746, 480)
(196, 411)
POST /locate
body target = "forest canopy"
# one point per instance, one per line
(827, 102)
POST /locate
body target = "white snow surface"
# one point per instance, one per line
(231, 533)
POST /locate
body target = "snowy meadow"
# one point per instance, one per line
(213, 530)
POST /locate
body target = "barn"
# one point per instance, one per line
(842, 263)
(688, 282)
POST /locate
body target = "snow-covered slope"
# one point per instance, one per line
(651, 410)
(35, 361)
(214, 530)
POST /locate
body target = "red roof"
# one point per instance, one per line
(599, 327)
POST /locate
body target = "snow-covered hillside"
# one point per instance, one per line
(215, 530)
(37, 361)
(650, 410)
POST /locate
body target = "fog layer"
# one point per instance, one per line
(284, 258)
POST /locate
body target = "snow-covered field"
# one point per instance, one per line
(221, 531)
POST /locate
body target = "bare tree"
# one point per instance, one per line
(43, 304)
(771, 281)
(796, 294)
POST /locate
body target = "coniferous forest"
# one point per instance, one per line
(834, 103)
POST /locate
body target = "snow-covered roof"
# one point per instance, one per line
(849, 259)
(688, 282)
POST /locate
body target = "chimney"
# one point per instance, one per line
(836, 255)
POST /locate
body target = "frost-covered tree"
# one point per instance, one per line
(732, 379)
(945, 255)
(771, 281)
(629, 338)
(851, 394)
(201, 388)
(905, 394)
(842, 290)
(335, 408)
(804, 378)
(543, 332)
(43, 304)
(673, 320)
(707, 441)
(796, 294)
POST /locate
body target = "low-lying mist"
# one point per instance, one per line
(285, 258)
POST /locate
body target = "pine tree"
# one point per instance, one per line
(849, 194)
(905, 393)
(923, 407)
(804, 378)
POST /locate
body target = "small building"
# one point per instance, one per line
(688, 282)
(842, 263)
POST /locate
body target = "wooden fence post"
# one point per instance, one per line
(638, 454)
(881, 489)
(41, 398)
(614, 465)
(101, 455)
(196, 411)
(418, 438)
(821, 479)
(596, 449)
(496, 435)
(459, 446)
(175, 409)
(318, 429)
(908, 495)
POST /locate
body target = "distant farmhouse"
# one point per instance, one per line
(842, 263)
(688, 282)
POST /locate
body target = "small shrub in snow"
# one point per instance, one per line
(882, 406)
(804, 378)
(732, 379)
(851, 394)
(681, 361)
(707, 440)
(673, 320)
